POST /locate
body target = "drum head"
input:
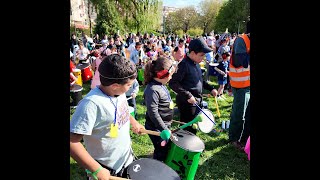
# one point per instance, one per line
(187, 141)
(213, 64)
(82, 65)
(75, 88)
(206, 125)
(77, 70)
(151, 169)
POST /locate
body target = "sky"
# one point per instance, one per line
(181, 3)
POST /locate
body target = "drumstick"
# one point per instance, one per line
(129, 98)
(117, 178)
(205, 113)
(194, 126)
(178, 122)
(155, 133)
(216, 102)
(165, 134)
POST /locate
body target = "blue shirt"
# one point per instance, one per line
(136, 55)
(223, 66)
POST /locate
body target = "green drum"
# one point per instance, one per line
(131, 111)
(184, 154)
(141, 75)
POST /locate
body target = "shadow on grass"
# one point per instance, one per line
(225, 162)
(214, 144)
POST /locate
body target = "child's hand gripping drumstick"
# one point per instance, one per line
(165, 135)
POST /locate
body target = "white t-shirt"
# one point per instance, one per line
(93, 118)
(210, 41)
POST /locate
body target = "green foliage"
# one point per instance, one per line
(179, 32)
(108, 19)
(78, 32)
(154, 32)
(232, 14)
(127, 15)
(184, 18)
(209, 11)
(195, 32)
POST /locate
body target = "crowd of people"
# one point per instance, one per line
(102, 118)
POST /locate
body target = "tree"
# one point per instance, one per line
(184, 18)
(108, 19)
(208, 11)
(233, 15)
(129, 15)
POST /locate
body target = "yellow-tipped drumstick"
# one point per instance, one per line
(216, 102)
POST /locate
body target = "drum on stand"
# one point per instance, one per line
(141, 74)
(77, 74)
(75, 94)
(206, 125)
(150, 169)
(184, 153)
(86, 72)
(212, 71)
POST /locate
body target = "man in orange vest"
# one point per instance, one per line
(239, 74)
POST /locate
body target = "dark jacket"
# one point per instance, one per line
(188, 82)
(157, 100)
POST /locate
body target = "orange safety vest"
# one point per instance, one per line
(240, 76)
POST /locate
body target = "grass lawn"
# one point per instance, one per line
(219, 160)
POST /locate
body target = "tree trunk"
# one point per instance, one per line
(89, 16)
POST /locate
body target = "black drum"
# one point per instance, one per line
(75, 94)
(150, 169)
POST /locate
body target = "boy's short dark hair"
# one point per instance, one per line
(199, 45)
(138, 43)
(116, 69)
(181, 40)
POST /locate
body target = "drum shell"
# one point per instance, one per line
(75, 94)
(86, 72)
(212, 71)
(141, 75)
(77, 74)
(184, 160)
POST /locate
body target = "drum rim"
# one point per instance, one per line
(76, 90)
(189, 149)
